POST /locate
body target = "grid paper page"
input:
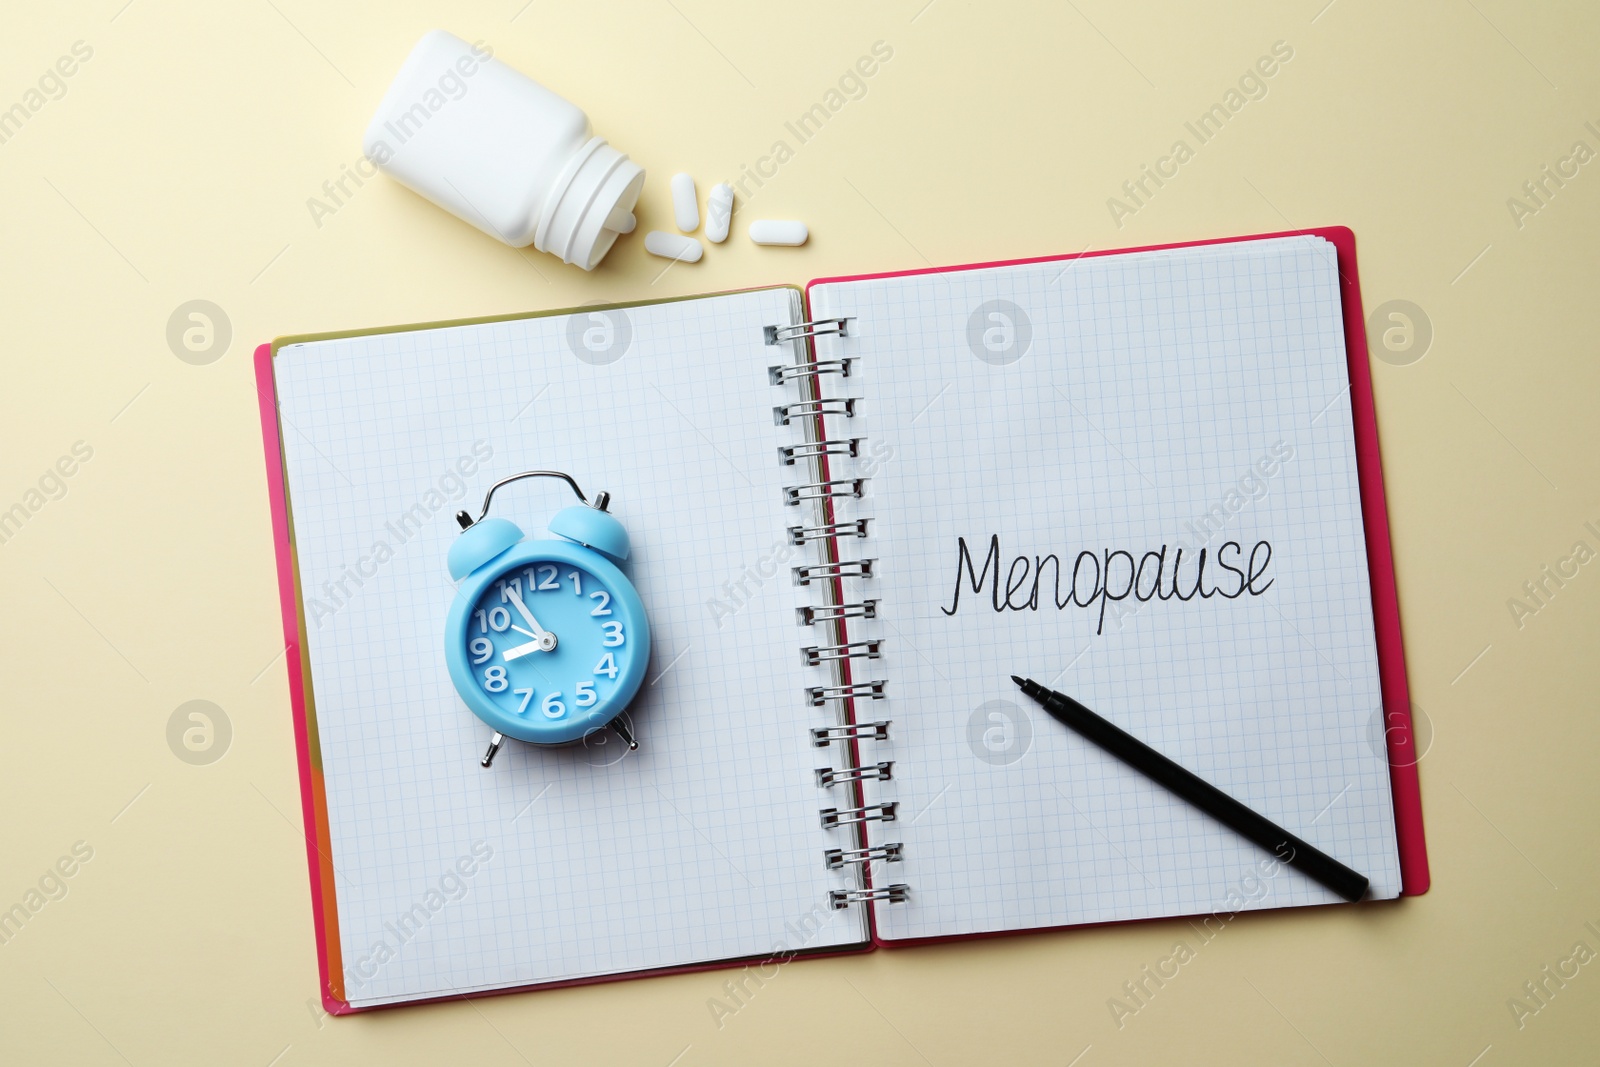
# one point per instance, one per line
(557, 863)
(1188, 397)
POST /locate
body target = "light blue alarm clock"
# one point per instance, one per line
(546, 640)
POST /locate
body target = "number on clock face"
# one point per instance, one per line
(543, 641)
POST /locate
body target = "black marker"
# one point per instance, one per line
(1202, 794)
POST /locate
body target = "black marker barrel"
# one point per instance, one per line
(1202, 794)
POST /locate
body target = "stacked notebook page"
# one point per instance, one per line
(561, 863)
(1131, 478)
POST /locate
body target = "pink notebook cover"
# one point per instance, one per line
(1385, 605)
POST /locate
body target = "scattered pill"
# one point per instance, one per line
(685, 203)
(673, 246)
(778, 232)
(627, 224)
(719, 212)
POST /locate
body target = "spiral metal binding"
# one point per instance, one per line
(866, 609)
(823, 736)
(793, 372)
(799, 535)
(833, 818)
(835, 858)
(881, 772)
(816, 655)
(812, 572)
(848, 446)
(819, 490)
(843, 406)
(834, 487)
(777, 335)
(898, 893)
(819, 695)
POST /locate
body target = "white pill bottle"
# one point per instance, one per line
(492, 146)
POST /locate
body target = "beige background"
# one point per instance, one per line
(178, 165)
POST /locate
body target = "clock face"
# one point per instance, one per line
(546, 643)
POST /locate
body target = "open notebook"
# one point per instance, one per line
(854, 517)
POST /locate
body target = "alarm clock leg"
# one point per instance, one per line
(622, 731)
(494, 746)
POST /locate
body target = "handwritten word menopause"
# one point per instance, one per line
(1094, 577)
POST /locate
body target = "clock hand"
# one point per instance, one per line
(547, 640)
(522, 609)
(522, 650)
(520, 630)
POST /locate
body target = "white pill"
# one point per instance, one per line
(719, 212)
(621, 219)
(778, 232)
(685, 203)
(673, 246)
